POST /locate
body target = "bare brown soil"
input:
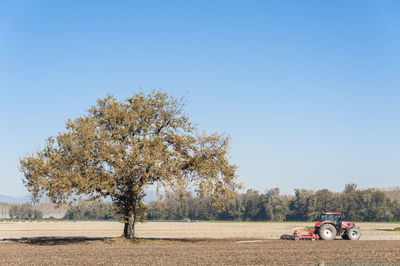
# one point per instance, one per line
(97, 243)
(115, 251)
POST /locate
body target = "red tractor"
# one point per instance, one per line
(329, 225)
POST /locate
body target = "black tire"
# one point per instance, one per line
(327, 232)
(353, 233)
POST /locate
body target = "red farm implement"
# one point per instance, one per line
(329, 225)
(301, 235)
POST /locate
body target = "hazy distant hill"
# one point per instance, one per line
(8, 199)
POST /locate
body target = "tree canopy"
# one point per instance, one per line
(118, 148)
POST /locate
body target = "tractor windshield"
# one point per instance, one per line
(329, 217)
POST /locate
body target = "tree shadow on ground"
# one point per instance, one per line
(53, 241)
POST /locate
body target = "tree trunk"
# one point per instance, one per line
(129, 227)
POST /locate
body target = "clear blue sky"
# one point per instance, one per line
(309, 91)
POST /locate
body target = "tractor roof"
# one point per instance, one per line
(334, 213)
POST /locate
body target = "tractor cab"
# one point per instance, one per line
(330, 217)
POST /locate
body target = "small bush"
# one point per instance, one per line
(397, 229)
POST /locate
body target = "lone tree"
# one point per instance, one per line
(118, 148)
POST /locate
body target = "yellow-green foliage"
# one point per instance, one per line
(118, 148)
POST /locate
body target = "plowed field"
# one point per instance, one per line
(97, 243)
(72, 251)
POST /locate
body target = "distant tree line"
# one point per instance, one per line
(28, 211)
(24, 211)
(305, 205)
(81, 210)
(92, 210)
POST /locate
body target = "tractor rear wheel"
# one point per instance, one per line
(353, 233)
(327, 232)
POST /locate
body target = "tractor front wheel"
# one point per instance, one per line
(353, 233)
(327, 232)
